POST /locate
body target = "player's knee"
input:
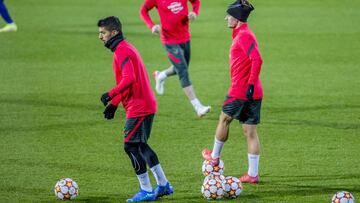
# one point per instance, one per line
(128, 147)
(250, 132)
(184, 78)
(225, 119)
(149, 155)
(138, 163)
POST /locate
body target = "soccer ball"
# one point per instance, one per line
(343, 197)
(208, 167)
(218, 176)
(232, 187)
(213, 187)
(66, 189)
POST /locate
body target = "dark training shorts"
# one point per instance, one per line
(179, 55)
(138, 129)
(247, 112)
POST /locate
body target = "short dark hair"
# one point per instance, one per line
(110, 23)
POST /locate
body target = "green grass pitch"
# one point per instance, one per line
(54, 69)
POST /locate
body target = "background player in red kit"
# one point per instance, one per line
(174, 34)
(134, 91)
(243, 101)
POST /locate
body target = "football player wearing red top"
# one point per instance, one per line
(174, 34)
(243, 101)
(134, 92)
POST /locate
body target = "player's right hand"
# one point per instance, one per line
(156, 29)
(105, 98)
(109, 112)
(250, 92)
(192, 16)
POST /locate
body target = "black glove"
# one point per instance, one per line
(109, 112)
(105, 98)
(250, 92)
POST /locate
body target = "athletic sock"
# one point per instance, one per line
(159, 175)
(162, 75)
(253, 164)
(144, 181)
(218, 145)
(196, 103)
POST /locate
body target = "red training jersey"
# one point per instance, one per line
(245, 64)
(173, 18)
(132, 82)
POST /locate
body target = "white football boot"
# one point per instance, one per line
(202, 110)
(9, 28)
(159, 87)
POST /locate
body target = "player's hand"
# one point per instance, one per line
(109, 112)
(105, 98)
(156, 29)
(250, 92)
(192, 16)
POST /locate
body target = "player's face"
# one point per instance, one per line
(105, 35)
(231, 21)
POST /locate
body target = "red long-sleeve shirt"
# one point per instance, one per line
(132, 82)
(173, 18)
(245, 64)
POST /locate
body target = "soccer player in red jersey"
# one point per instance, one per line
(245, 94)
(134, 92)
(174, 34)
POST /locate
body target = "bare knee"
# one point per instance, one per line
(249, 131)
(225, 119)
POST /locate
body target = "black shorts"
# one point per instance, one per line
(247, 112)
(138, 129)
(179, 55)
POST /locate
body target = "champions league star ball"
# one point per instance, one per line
(208, 168)
(213, 187)
(343, 197)
(66, 189)
(232, 187)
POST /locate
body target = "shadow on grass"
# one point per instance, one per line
(102, 199)
(316, 123)
(306, 185)
(65, 125)
(310, 108)
(51, 103)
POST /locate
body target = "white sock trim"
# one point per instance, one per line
(162, 75)
(253, 164)
(159, 175)
(218, 145)
(144, 181)
(195, 102)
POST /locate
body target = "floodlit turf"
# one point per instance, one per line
(54, 69)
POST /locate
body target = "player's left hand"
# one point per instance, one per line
(192, 16)
(109, 112)
(105, 98)
(250, 92)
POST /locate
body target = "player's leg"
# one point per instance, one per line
(163, 185)
(160, 76)
(189, 90)
(132, 139)
(146, 192)
(176, 54)
(10, 25)
(231, 109)
(221, 135)
(251, 118)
